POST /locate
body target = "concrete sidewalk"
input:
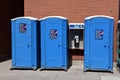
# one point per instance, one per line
(75, 72)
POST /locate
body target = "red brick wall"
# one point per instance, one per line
(74, 10)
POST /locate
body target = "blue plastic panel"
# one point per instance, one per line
(24, 43)
(98, 43)
(54, 43)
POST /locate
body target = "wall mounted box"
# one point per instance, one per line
(24, 43)
(98, 44)
(76, 31)
(54, 42)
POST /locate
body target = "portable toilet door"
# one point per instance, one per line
(98, 44)
(54, 42)
(24, 43)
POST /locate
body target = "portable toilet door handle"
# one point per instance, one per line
(105, 46)
(29, 45)
(59, 44)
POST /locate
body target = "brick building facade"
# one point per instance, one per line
(75, 11)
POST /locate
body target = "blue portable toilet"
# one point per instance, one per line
(98, 44)
(54, 42)
(24, 43)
